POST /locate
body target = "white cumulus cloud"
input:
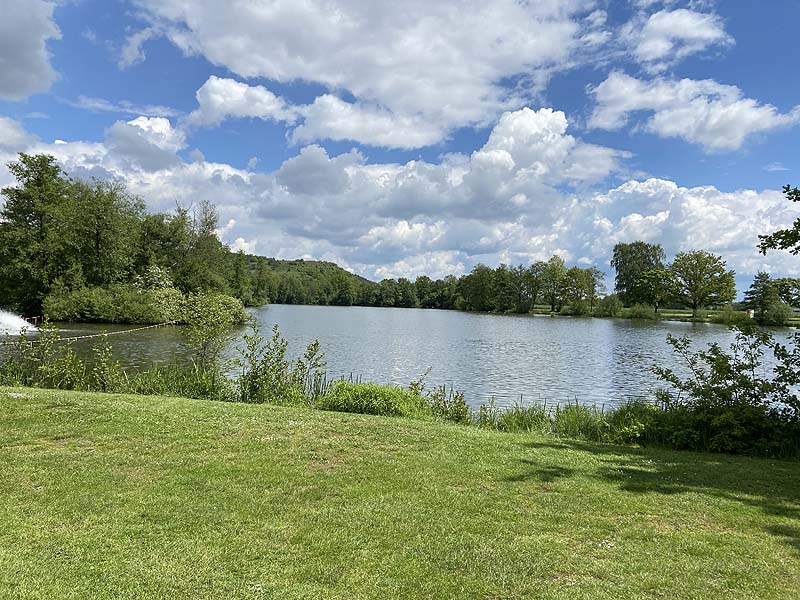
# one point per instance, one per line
(25, 28)
(705, 112)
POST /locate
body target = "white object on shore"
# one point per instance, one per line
(11, 324)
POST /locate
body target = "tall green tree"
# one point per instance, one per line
(784, 239)
(788, 290)
(477, 287)
(505, 289)
(701, 279)
(33, 250)
(633, 260)
(761, 295)
(655, 287)
(534, 280)
(554, 279)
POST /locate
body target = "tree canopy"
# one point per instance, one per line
(631, 261)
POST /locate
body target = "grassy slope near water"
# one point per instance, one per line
(108, 496)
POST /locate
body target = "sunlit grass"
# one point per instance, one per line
(105, 496)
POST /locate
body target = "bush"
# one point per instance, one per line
(777, 313)
(730, 403)
(731, 317)
(373, 399)
(523, 419)
(578, 308)
(641, 311)
(210, 319)
(609, 306)
(448, 405)
(267, 375)
(112, 304)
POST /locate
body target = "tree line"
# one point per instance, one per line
(89, 250)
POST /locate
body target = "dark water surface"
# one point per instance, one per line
(538, 357)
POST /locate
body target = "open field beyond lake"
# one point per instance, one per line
(123, 496)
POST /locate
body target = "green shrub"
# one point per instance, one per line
(730, 317)
(210, 318)
(777, 313)
(641, 311)
(112, 304)
(578, 308)
(523, 419)
(267, 375)
(372, 399)
(448, 405)
(731, 403)
(609, 306)
(579, 421)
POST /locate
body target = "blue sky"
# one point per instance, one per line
(406, 138)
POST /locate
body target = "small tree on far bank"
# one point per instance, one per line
(701, 279)
(761, 295)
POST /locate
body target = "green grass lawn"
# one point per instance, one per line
(106, 496)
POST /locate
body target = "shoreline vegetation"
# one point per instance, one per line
(728, 405)
(74, 250)
(186, 498)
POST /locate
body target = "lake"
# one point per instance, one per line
(506, 357)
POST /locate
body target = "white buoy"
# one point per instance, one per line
(11, 324)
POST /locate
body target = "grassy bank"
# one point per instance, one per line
(111, 496)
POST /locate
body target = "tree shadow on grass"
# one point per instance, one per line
(544, 474)
(770, 485)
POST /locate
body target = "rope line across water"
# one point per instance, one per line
(107, 333)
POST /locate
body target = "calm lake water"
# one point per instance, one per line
(505, 357)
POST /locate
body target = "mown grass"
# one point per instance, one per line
(117, 496)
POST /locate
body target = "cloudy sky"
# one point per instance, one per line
(400, 138)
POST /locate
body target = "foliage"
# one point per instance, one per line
(788, 290)
(777, 313)
(701, 279)
(730, 402)
(730, 316)
(784, 239)
(609, 306)
(654, 287)
(761, 295)
(631, 261)
(209, 321)
(641, 311)
(372, 399)
(267, 375)
(111, 304)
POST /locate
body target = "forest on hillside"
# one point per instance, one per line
(89, 251)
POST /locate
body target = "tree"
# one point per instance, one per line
(476, 288)
(784, 239)
(534, 281)
(505, 289)
(761, 295)
(655, 287)
(633, 260)
(701, 279)
(554, 279)
(406, 294)
(240, 282)
(788, 290)
(32, 250)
